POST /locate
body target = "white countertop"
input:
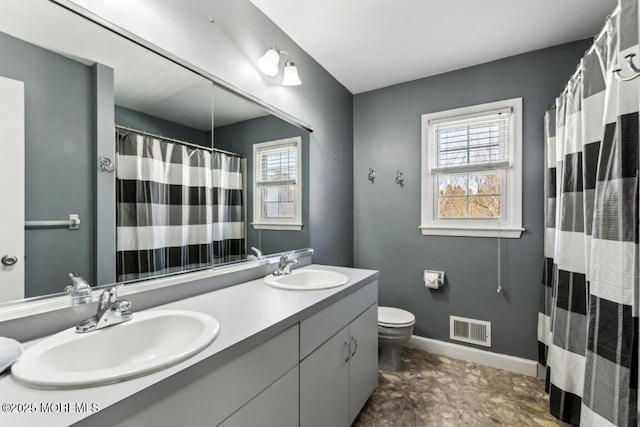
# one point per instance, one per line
(249, 314)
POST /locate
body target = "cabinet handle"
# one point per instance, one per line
(356, 347)
(346, 343)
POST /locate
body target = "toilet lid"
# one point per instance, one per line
(394, 317)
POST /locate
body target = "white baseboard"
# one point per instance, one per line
(470, 354)
(542, 371)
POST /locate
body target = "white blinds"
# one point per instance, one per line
(277, 165)
(471, 143)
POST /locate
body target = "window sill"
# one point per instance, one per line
(506, 233)
(290, 227)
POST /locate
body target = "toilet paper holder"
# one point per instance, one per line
(430, 274)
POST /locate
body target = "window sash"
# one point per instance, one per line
(468, 196)
(471, 143)
(277, 165)
(280, 202)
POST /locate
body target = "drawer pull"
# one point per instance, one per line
(355, 348)
(346, 343)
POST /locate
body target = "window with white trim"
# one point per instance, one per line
(472, 171)
(277, 186)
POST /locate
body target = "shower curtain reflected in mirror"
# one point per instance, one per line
(178, 207)
(229, 242)
(588, 320)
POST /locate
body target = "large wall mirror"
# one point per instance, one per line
(133, 165)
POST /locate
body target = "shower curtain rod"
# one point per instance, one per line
(177, 141)
(603, 30)
(592, 47)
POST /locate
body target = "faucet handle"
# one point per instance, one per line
(79, 289)
(74, 276)
(104, 299)
(122, 306)
(257, 251)
(108, 296)
(113, 294)
(78, 283)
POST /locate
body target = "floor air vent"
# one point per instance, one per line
(470, 330)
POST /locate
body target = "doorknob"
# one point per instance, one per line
(9, 260)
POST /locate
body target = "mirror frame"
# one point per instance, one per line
(52, 302)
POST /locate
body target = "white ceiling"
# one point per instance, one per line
(369, 44)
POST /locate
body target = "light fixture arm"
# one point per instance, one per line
(284, 52)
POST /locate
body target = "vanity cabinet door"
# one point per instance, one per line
(277, 406)
(324, 384)
(363, 366)
(319, 327)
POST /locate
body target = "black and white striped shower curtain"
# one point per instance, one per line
(171, 207)
(228, 208)
(588, 319)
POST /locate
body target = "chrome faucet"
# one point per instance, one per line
(284, 266)
(79, 289)
(111, 311)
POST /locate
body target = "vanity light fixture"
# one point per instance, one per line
(268, 64)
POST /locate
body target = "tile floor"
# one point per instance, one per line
(439, 391)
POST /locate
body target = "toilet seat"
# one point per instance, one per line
(391, 317)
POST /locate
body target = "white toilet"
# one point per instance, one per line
(395, 327)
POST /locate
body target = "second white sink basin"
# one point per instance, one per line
(307, 279)
(151, 341)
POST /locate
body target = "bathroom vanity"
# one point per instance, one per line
(282, 358)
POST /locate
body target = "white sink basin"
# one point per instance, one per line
(151, 341)
(307, 279)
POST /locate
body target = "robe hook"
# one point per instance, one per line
(372, 175)
(631, 65)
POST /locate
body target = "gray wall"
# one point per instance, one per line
(148, 123)
(58, 159)
(387, 137)
(239, 138)
(229, 49)
(104, 182)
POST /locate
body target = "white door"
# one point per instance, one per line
(11, 189)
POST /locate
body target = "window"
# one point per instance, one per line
(277, 187)
(472, 171)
